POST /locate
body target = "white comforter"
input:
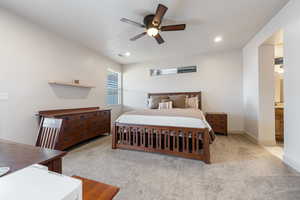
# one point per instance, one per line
(190, 118)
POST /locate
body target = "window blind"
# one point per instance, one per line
(113, 88)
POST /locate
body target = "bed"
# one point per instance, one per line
(180, 132)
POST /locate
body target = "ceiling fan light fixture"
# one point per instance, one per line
(152, 25)
(152, 31)
(126, 54)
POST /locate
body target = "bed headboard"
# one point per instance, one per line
(189, 94)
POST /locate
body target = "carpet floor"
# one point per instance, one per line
(240, 170)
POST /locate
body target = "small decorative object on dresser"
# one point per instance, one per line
(218, 122)
(76, 81)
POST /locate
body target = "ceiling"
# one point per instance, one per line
(96, 24)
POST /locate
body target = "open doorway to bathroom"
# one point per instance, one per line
(271, 98)
(279, 93)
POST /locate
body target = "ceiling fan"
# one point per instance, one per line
(152, 24)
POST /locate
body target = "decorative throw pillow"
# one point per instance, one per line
(150, 103)
(166, 100)
(165, 105)
(178, 101)
(192, 102)
(153, 101)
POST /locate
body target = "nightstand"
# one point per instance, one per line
(217, 121)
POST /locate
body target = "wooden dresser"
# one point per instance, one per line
(218, 122)
(279, 124)
(80, 124)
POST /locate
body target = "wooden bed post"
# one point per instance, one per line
(206, 146)
(114, 136)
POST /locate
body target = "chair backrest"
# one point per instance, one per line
(49, 132)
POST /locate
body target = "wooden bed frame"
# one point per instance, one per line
(179, 141)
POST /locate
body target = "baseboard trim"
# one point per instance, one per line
(233, 132)
(267, 143)
(292, 163)
(251, 137)
(261, 143)
(287, 160)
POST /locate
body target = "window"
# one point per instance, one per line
(113, 88)
(174, 70)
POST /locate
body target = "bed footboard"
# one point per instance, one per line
(184, 142)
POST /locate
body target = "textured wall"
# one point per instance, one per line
(29, 57)
(219, 77)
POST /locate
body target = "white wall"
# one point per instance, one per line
(287, 19)
(219, 77)
(29, 57)
(278, 81)
(266, 95)
(278, 77)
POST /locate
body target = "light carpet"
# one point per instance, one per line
(240, 170)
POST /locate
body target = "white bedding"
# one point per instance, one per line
(190, 118)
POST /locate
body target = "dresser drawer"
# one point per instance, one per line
(82, 126)
(216, 117)
(218, 122)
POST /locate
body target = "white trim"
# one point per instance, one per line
(113, 70)
(287, 160)
(113, 105)
(251, 137)
(259, 142)
(236, 132)
(291, 162)
(120, 92)
(267, 143)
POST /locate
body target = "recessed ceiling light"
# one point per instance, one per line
(126, 54)
(218, 39)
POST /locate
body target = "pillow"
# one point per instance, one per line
(153, 101)
(178, 101)
(165, 105)
(192, 102)
(165, 100)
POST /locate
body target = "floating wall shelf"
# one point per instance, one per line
(70, 84)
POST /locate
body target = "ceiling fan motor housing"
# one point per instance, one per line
(148, 21)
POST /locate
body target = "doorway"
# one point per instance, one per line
(279, 93)
(271, 94)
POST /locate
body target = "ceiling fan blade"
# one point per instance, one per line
(160, 12)
(128, 21)
(159, 39)
(138, 36)
(177, 27)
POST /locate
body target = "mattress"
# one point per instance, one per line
(188, 118)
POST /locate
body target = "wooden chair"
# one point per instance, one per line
(49, 132)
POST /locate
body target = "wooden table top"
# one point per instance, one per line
(18, 156)
(93, 190)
